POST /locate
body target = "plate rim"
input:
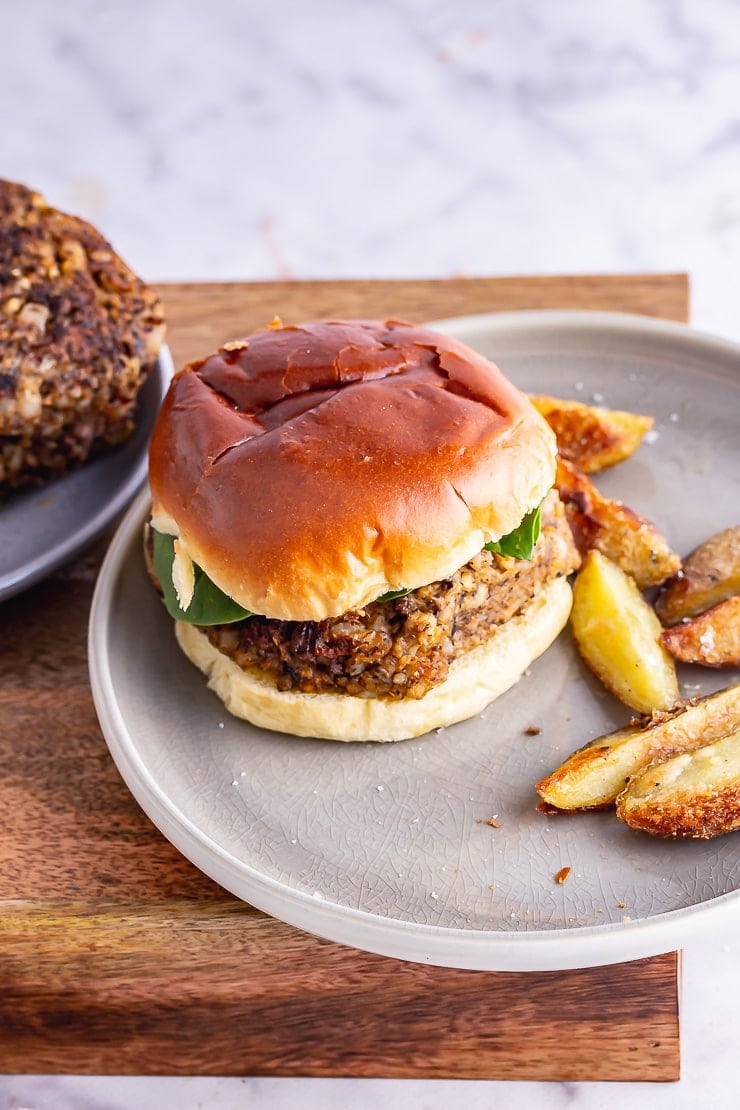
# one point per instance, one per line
(588, 319)
(484, 950)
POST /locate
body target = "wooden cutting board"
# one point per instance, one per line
(119, 957)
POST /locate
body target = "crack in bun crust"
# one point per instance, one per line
(310, 469)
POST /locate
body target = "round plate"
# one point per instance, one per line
(42, 528)
(387, 847)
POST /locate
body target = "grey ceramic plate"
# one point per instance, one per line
(386, 847)
(42, 528)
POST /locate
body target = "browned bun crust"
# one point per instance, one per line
(310, 469)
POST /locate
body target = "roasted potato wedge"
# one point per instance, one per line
(590, 436)
(694, 795)
(712, 639)
(628, 539)
(593, 776)
(618, 635)
(709, 575)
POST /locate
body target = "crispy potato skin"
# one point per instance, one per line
(691, 796)
(709, 575)
(631, 541)
(711, 640)
(618, 636)
(590, 436)
(596, 774)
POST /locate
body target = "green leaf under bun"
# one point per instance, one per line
(209, 604)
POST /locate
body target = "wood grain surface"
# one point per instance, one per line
(201, 316)
(118, 956)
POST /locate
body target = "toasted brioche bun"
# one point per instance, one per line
(310, 469)
(475, 679)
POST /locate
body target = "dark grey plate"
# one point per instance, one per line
(42, 528)
(386, 846)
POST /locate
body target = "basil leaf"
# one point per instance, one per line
(520, 543)
(209, 605)
(392, 595)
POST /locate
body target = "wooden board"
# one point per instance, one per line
(118, 956)
(203, 315)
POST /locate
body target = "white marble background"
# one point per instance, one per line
(395, 138)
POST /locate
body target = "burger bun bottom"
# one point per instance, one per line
(474, 681)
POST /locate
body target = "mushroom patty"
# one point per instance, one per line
(78, 334)
(402, 647)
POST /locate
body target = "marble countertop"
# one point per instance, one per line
(389, 138)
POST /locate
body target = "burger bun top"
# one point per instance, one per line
(310, 469)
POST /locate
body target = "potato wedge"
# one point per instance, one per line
(631, 541)
(590, 436)
(593, 776)
(709, 575)
(695, 795)
(712, 639)
(618, 635)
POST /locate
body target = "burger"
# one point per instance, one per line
(354, 528)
